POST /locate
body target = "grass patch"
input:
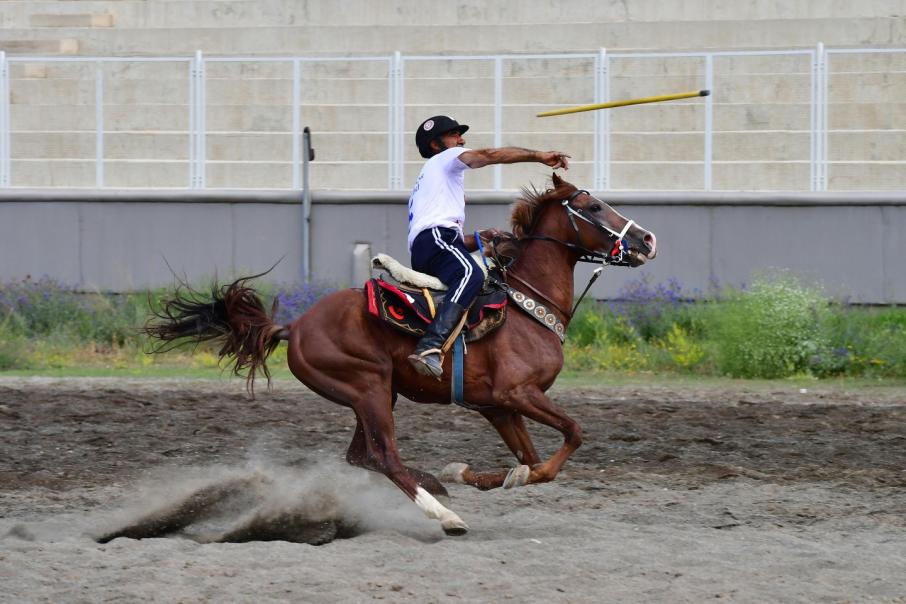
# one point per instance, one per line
(777, 328)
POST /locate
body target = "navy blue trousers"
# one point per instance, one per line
(441, 252)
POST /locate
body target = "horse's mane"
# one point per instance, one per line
(527, 208)
(526, 211)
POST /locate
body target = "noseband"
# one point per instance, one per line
(616, 253)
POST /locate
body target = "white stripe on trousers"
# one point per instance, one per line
(462, 260)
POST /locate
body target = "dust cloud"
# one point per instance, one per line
(263, 501)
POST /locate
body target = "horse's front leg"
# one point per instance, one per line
(531, 402)
(512, 430)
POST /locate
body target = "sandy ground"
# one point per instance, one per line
(680, 494)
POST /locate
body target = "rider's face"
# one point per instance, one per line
(452, 139)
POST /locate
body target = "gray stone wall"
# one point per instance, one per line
(852, 244)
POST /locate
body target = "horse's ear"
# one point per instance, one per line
(556, 180)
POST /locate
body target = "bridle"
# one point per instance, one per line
(614, 257)
(616, 254)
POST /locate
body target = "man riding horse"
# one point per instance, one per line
(436, 241)
(342, 350)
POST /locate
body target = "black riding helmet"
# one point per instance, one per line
(432, 128)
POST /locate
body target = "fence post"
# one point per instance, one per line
(821, 120)
(99, 125)
(4, 122)
(709, 122)
(197, 120)
(601, 170)
(308, 155)
(297, 94)
(498, 116)
(814, 97)
(391, 122)
(192, 119)
(395, 127)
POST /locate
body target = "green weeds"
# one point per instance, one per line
(777, 327)
(46, 325)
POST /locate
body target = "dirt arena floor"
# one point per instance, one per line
(680, 493)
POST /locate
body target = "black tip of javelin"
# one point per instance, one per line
(704, 93)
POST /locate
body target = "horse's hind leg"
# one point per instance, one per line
(357, 455)
(353, 367)
(376, 419)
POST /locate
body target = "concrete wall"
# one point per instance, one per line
(117, 243)
(853, 244)
(144, 27)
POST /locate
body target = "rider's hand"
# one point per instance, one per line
(489, 234)
(555, 159)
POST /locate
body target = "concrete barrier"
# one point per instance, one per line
(852, 243)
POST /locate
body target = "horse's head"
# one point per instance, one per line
(583, 223)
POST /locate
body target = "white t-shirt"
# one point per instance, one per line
(438, 197)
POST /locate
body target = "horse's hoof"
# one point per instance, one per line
(455, 526)
(517, 477)
(453, 472)
(449, 520)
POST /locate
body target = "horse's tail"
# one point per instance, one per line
(233, 315)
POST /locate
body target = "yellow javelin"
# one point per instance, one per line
(610, 105)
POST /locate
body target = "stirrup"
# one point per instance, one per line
(423, 365)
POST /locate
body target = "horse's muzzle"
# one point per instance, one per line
(650, 241)
(642, 249)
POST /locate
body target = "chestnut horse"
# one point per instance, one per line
(350, 357)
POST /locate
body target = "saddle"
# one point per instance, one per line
(407, 300)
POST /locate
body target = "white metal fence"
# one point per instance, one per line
(797, 120)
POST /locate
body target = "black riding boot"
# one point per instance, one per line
(428, 356)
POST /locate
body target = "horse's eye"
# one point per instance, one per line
(595, 207)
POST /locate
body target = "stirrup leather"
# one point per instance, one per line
(440, 352)
(454, 334)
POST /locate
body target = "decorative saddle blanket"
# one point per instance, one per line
(411, 308)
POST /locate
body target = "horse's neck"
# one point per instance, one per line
(548, 267)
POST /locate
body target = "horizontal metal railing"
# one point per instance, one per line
(701, 66)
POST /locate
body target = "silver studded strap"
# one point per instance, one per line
(538, 312)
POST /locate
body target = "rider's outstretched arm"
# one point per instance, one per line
(478, 158)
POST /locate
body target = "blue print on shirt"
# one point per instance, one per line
(411, 197)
